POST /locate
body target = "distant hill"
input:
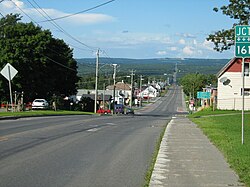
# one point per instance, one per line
(150, 67)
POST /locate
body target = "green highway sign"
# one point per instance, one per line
(242, 41)
(203, 95)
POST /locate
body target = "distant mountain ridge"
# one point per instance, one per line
(155, 66)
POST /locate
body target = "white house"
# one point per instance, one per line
(122, 92)
(150, 92)
(230, 84)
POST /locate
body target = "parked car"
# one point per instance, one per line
(129, 110)
(119, 109)
(103, 111)
(40, 104)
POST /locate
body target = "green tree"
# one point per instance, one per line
(192, 83)
(238, 10)
(45, 65)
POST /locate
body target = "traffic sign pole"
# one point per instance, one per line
(11, 100)
(9, 73)
(243, 100)
(242, 50)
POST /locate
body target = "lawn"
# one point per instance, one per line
(225, 133)
(42, 113)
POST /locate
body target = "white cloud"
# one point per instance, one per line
(182, 41)
(173, 48)
(188, 50)
(132, 39)
(11, 7)
(79, 18)
(195, 42)
(207, 45)
(161, 53)
(185, 35)
(11, 4)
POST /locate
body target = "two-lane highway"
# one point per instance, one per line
(83, 150)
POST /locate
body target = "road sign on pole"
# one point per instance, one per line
(9, 72)
(242, 41)
(203, 95)
(242, 50)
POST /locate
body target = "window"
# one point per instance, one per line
(246, 69)
(246, 91)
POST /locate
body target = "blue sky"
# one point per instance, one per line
(130, 28)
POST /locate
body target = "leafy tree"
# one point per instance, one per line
(45, 65)
(238, 10)
(192, 83)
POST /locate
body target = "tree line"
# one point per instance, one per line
(194, 82)
(45, 65)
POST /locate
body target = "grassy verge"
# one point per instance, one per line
(209, 112)
(42, 113)
(154, 157)
(225, 133)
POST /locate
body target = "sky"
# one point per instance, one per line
(138, 29)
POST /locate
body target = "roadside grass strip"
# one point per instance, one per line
(42, 113)
(224, 131)
(154, 158)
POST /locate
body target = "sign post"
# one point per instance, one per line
(242, 50)
(9, 73)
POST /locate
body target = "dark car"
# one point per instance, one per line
(119, 109)
(129, 110)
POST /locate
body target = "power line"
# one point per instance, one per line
(62, 17)
(60, 64)
(46, 16)
(44, 55)
(24, 12)
(58, 26)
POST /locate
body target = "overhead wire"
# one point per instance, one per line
(56, 25)
(48, 18)
(38, 24)
(62, 17)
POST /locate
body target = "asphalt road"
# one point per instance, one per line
(83, 150)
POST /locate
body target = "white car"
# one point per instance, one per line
(40, 104)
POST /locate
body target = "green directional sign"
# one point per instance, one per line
(242, 41)
(203, 95)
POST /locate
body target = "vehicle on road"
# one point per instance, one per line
(129, 110)
(119, 109)
(103, 111)
(40, 104)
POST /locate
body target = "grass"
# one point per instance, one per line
(154, 157)
(42, 113)
(224, 131)
(209, 111)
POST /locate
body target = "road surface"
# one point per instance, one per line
(83, 150)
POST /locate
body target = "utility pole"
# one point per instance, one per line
(96, 78)
(114, 74)
(103, 96)
(141, 90)
(148, 88)
(131, 95)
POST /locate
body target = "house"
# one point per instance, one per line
(149, 92)
(230, 84)
(81, 92)
(122, 92)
